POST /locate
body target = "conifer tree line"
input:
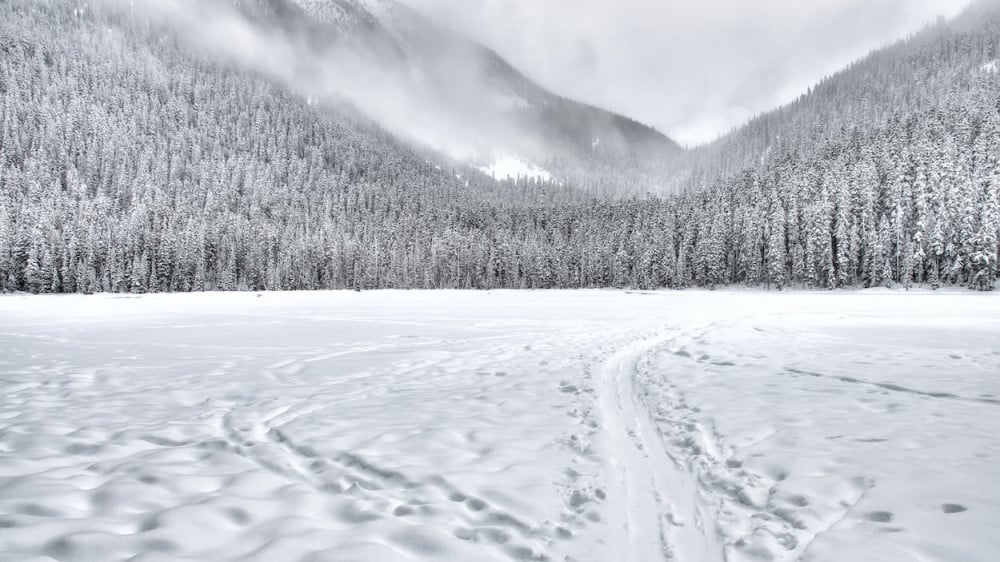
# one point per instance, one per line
(130, 164)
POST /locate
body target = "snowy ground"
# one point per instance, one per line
(510, 168)
(589, 426)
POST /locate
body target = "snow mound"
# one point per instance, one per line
(510, 168)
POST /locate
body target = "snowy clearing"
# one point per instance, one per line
(476, 426)
(510, 168)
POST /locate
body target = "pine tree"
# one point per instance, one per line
(776, 244)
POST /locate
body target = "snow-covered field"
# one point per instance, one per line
(475, 426)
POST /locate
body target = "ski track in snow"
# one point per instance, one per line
(562, 426)
(662, 518)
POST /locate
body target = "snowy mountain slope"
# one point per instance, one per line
(508, 112)
(350, 12)
(134, 162)
(945, 64)
(558, 121)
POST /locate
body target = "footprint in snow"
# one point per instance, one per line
(879, 516)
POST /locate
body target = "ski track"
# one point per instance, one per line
(683, 496)
(734, 510)
(663, 519)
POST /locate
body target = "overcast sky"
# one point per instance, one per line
(692, 68)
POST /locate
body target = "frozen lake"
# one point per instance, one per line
(477, 426)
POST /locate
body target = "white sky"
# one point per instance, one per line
(693, 69)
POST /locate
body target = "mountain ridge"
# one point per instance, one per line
(405, 38)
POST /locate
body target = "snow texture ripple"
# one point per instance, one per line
(563, 426)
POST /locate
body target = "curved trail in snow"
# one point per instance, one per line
(656, 499)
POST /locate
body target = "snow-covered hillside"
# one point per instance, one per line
(470, 76)
(348, 12)
(587, 426)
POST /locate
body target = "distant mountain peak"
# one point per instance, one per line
(502, 110)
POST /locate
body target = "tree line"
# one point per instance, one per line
(130, 164)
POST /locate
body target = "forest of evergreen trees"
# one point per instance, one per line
(130, 164)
